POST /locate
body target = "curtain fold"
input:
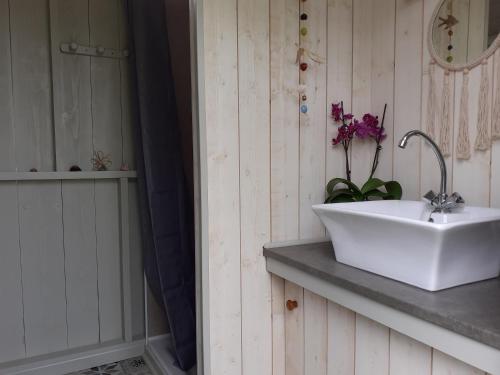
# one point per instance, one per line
(166, 215)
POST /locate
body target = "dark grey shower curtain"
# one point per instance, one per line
(165, 205)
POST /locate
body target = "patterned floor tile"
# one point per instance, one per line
(132, 366)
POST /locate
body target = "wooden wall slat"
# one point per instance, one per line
(79, 219)
(284, 163)
(284, 39)
(254, 140)
(31, 74)
(136, 263)
(408, 356)
(222, 145)
(11, 324)
(315, 334)
(443, 364)
(495, 149)
(107, 137)
(294, 331)
(361, 82)
(106, 81)
(407, 98)
(313, 123)
(372, 347)
(341, 340)
(71, 85)
(40, 212)
(107, 218)
(128, 97)
(382, 81)
(73, 137)
(42, 249)
(339, 78)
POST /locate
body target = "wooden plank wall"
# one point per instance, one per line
(60, 270)
(267, 163)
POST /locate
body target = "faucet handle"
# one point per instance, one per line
(456, 199)
(430, 197)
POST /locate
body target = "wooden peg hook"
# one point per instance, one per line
(291, 305)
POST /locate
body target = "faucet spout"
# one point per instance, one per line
(442, 165)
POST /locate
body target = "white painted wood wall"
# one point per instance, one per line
(267, 163)
(60, 268)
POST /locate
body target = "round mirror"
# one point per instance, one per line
(464, 32)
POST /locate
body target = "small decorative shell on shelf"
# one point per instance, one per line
(100, 161)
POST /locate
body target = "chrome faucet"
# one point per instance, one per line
(441, 202)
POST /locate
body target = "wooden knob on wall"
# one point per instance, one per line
(291, 304)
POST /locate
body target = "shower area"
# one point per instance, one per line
(96, 188)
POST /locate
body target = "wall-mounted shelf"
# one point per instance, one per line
(84, 175)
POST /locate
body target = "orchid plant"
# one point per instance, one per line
(368, 128)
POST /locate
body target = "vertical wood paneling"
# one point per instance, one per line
(108, 259)
(11, 324)
(372, 347)
(294, 326)
(254, 141)
(73, 135)
(107, 137)
(361, 82)
(339, 77)
(106, 81)
(382, 82)
(495, 149)
(284, 32)
(136, 269)
(373, 80)
(7, 145)
(31, 75)
(341, 340)
(408, 356)
(278, 323)
(315, 334)
(430, 175)
(409, 34)
(44, 294)
(471, 178)
(71, 85)
(222, 141)
(40, 212)
(80, 263)
(284, 179)
(128, 98)
(313, 123)
(443, 364)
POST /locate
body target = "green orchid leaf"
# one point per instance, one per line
(394, 190)
(330, 187)
(342, 198)
(372, 184)
(376, 193)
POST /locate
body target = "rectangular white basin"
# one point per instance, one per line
(395, 239)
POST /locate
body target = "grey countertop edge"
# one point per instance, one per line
(443, 319)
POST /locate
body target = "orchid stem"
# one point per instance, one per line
(378, 147)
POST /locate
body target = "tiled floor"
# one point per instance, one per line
(133, 366)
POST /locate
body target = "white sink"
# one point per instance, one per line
(395, 239)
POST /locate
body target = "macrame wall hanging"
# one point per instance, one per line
(431, 102)
(463, 140)
(445, 131)
(496, 106)
(483, 141)
(452, 60)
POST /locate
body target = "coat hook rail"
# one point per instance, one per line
(98, 51)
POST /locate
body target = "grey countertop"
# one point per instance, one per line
(471, 310)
